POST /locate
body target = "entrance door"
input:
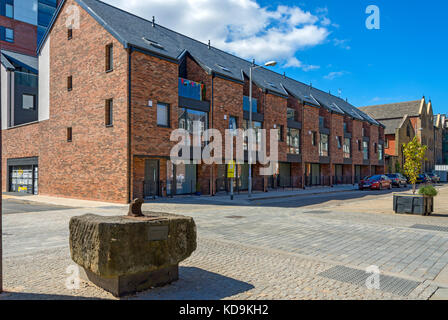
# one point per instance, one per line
(315, 174)
(151, 178)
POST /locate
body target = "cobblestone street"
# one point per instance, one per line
(267, 249)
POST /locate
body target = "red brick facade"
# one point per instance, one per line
(108, 163)
(25, 36)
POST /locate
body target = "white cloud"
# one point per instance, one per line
(341, 43)
(295, 63)
(334, 75)
(242, 27)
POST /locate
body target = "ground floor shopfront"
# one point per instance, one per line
(23, 175)
(159, 177)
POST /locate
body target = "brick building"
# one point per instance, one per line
(421, 117)
(112, 91)
(439, 124)
(23, 23)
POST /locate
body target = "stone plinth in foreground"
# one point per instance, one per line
(126, 254)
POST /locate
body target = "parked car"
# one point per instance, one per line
(398, 180)
(377, 182)
(423, 178)
(434, 178)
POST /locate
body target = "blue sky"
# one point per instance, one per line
(404, 60)
(325, 42)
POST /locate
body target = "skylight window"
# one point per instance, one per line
(223, 68)
(271, 84)
(153, 43)
(337, 108)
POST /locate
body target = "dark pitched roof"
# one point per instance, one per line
(134, 31)
(392, 125)
(393, 110)
(9, 58)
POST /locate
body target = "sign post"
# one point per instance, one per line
(231, 175)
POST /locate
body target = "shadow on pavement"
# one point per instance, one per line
(6, 295)
(295, 201)
(196, 284)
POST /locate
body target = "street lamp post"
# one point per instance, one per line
(253, 67)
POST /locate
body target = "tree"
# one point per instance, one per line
(414, 154)
(397, 167)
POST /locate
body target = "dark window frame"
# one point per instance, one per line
(109, 113)
(109, 57)
(69, 83)
(69, 33)
(69, 134)
(168, 114)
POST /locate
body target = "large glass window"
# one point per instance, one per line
(365, 150)
(380, 152)
(323, 145)
(188, 116)
(290, 114)
(347, 148)
(233, 125)
(293, 141)
(321, 122)
(246, 104)
(257, 126)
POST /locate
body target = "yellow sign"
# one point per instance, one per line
(23, 189)
(231, 169)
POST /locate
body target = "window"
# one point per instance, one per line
(9, 35)
(313, 138)
(387, 143)
(323, 145)
(69, 33)
(162, 115)
(233, 125)
(9, 10)
(359, 145)
(345, 127)
(28, 102)
(339, 140)
(363, 132)
(69, 134)
(290, 114)
(109, 113)
(408, 131)
(257, 128)
(69, 83)
(380, 152)
(109, 57)
(280, 130)
(321, 122)
(293, 141)
(347, 148)
(375, 147)
(365, 150)
(187, 118)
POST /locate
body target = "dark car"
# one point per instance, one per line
(377, 182)
(434, 178)
(398, 180)
(423, 178)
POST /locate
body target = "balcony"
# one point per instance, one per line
(246, 104)
(191, 89)
(192, 95)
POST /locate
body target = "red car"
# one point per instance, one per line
(378, 182)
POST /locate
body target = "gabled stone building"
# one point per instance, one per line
(421, 117)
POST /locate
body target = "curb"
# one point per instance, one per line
(300, 195)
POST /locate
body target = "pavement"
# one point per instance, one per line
(273, 248)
